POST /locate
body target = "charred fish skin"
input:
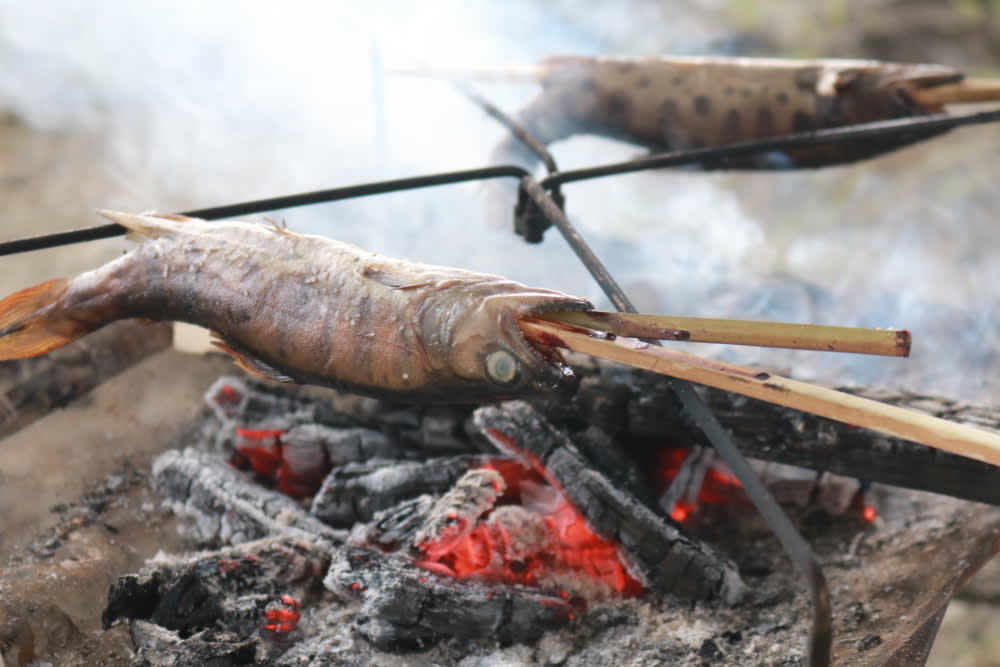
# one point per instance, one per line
(305, 308)
(677, 103)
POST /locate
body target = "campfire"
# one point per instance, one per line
(590, 526)
(533, 531)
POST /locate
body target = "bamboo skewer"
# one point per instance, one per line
(967, 90)
(884, 342)
(890, 420)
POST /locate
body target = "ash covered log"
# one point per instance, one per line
(403, 605)
(228, 590)
(227, 506)
(357, 491)
(667, 560)
(159, 646)
(31, 388)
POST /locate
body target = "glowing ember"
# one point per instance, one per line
(297, 472)
(869, 513)
(530, 535)
(717, 487)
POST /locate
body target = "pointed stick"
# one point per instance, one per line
(884, 342)
(512, 73)
(897, 422)
(967, 90)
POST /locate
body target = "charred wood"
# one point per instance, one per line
(357, 491)
(159, 646)
(773, 433)
(227, 506)
(667, 559)
(228, 589)
(31, 388)
(403, 606)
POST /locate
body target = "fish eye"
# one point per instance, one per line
(501, 366)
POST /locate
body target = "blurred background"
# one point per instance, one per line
(179, 105)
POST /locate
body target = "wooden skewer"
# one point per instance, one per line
(884, 342)
(967, 90)
(897, 422)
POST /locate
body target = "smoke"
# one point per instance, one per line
(213, 103)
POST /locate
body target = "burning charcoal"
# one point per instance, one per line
(667, 559)
(342, 445)
(356, 491)
(230, 589)
(227, 506)
(405, 605)
(397, 526)
(457, 511)
(234, 399)
(158, 646)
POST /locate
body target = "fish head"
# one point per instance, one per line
(881, 91)
(488, 347)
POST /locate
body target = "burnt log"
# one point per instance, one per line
(228, 590)
(32, 388)
(226, 506)
(667, 559)
(357, 491)
(406, 607)
(773, 433)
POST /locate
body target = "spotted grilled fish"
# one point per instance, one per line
(676, 103)
(302, 308)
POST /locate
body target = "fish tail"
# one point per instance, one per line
(30, 322)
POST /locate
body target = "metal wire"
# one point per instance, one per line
(271, 204)
(900, 128)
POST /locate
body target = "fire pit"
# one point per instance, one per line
(420, 537)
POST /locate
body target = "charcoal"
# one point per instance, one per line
(608, 456)
(343, 445)
(357, 491)
(605, 402)
(473, 495)
(228, 589)
(246, 403)
(774, 433)
(441, 430)
(227, 506)
(396, 526)
(208, 648)
(403, 605)
(666, 559)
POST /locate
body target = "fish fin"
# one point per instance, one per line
(26, 319)
(145, 225)
(251, 364)
(392, 279)
(279, 227)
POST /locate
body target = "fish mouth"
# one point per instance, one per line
(544, 351)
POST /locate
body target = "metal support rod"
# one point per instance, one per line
(837, 135)
(821, 630)
(273, 203)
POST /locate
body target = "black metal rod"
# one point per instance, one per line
(861, 131)
(273, 203)
(512, 126)
(882, 128)
(821, 629)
